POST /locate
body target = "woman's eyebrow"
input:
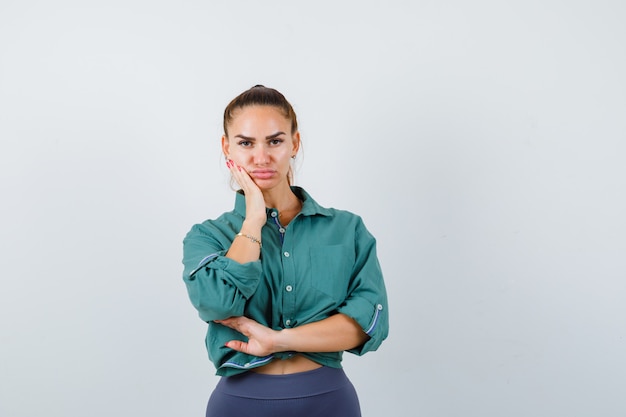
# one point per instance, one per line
(275, 135)
(244, 137)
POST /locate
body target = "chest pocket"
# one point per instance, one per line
(331, 267)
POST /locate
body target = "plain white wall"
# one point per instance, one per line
(483, 143)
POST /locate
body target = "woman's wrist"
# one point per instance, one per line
(251, 231)
(251, 238)
(252, 227)
(281, 341)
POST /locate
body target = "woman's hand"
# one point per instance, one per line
(255, 203)
(333, 334)
(248, 250)
(260, 338)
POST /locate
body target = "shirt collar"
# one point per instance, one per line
(310, 207)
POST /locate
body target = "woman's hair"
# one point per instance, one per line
(261, 96)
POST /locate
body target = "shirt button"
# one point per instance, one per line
(281, 230)
(289, 288)
(286, 254)
(273, 214)
(288, 322)
(379, 306)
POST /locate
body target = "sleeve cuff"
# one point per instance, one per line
(373, 320)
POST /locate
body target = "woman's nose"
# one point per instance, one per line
(261, 155)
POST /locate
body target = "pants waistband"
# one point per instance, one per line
(298, 385)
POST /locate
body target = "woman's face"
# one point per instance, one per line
(260, 140)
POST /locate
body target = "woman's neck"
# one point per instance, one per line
(285, 201)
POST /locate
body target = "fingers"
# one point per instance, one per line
(235, 323)
(259, 341)
(237, 345)
(235, 171)
(240, 175)
(255, 202)
(230, 322)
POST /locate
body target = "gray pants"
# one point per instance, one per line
(323, 392)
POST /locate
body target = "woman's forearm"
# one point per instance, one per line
(336, 333)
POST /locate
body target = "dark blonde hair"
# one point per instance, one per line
(261, 96)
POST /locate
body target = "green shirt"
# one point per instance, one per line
(323, 263)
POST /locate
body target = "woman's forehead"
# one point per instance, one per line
(259, 118)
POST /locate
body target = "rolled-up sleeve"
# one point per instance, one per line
(218, 287)
(367, 297)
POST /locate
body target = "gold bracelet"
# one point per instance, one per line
(252, 238)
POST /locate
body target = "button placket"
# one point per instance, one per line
(289, 283)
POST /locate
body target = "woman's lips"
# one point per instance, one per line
(263, 174)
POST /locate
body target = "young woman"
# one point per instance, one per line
(285, 285)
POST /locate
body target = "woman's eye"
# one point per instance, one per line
(276, 141)
(245, 143)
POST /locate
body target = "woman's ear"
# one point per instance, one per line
(225, 146)
(296, 143)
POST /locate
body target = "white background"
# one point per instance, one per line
(483, 143)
